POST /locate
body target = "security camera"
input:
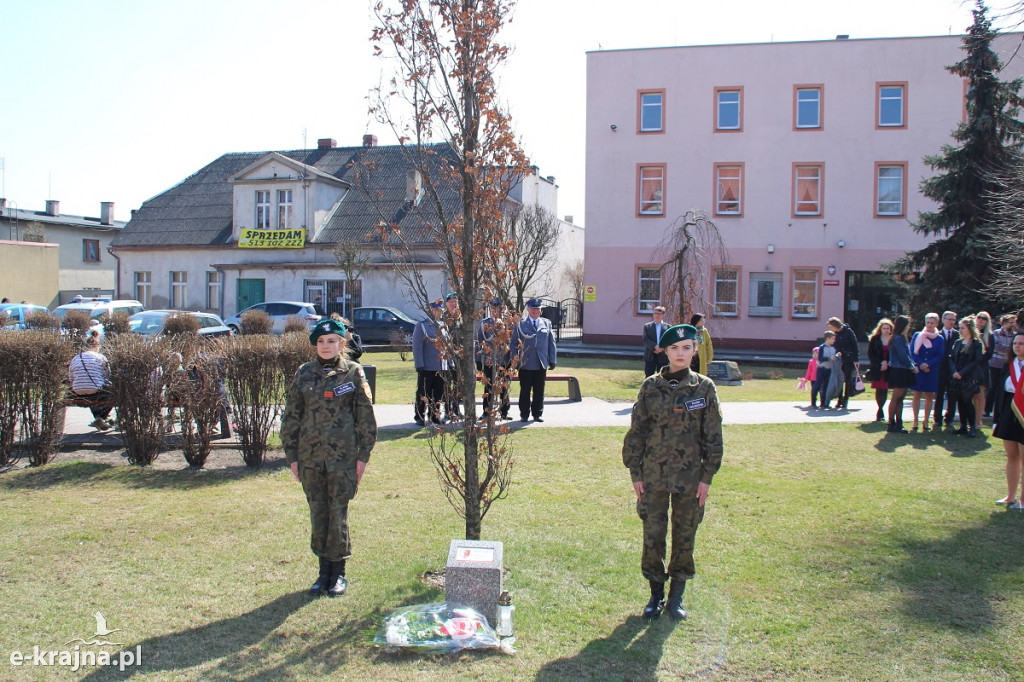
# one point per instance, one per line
(614, 127)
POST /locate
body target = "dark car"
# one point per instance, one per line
(151, 323)
(380, 325)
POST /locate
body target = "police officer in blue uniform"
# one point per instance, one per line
(494, 358)
(430, 366)
(534, 341)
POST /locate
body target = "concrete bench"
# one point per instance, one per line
(574, 383)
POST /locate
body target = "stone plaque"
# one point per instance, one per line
(475, 576)
(725, 373)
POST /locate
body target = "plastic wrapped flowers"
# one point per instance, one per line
(436, 628)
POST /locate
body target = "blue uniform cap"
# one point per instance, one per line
(533, 303)
(324, 327)
(680, 332)
(496, 302)
(437, 304)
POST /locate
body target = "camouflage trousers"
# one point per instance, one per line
(328, 487)
(653, 509)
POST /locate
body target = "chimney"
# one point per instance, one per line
(106, 213)
(551, 179)
(535, 169)
(843, 36)
(134, 211)
(369, 140)
(326, 143)
(413, 185)
(52, 207)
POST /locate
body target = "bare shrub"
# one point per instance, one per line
(181, 323)
(5, 319)
(77, 322)
(42, 319)
(199, 391)
(256, 322)
(31, 394)
(295, 350)
(116, 323)
(774, 374)
(295, 323)
(255, 384)
(137, 389)
(397, 339)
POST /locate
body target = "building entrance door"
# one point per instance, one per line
(250, 292)
(870, 296)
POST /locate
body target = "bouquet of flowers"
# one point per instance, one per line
(436, 628)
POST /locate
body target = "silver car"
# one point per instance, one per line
(151, 323)
(279, 312)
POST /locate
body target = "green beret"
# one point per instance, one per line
(324, 327)
(680, 332)
(450, 296)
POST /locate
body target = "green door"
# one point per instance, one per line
(250, 292)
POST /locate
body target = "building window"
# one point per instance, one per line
(728, 189)
(890, 188)
(263, 209)
(284, 209)
(651, 111)
(892, 105)
(805, 292)
(179, 280)
(91, 250)
(808, 189)
(651, 189)
(729, 109)
(648, 289)
(807, 112)
(143, 287)
(214, 279)
(727, 291)
(765, 294)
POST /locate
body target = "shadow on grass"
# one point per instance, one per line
(631, 652)
(957, 446)
(78, 472)
(954, 582)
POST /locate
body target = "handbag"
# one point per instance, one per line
(967, 384)
(858, 386)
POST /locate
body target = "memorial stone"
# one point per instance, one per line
(475, 576)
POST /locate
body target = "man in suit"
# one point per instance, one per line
(949, 334)
(494, 358)
(848, 351)
(429, 366)
(534, 342)
(654, 355)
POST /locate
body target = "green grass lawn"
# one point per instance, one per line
(840, 552)
(602, 378)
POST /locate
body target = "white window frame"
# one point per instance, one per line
(753, 307)
(263, 209)
(719, 306)
(645, 306)
(656, 204)
(659, 105)
(808, 309)
(889, 180)
(720, 104)
(179, 289)
(801, 172)
(817, 109)
(214, 282)
(882, 98)
(143, 287)
(718, 189)
(284, 209)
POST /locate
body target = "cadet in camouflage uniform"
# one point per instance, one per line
(673, 449)
(328, 430)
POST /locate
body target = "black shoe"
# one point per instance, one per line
(504, 416)
(879, 417)
(524, 419)
(675, 600)
(962, 431)
(320, 586)
(419, 420)
(336, 584)
(657, 602)
(973, 433)
(537, 419)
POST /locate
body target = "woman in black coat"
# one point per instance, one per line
(964, 364)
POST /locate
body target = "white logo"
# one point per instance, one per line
(82, 654)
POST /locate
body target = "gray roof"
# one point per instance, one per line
(24, 217)
(198, 210)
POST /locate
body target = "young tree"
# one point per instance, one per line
(957, 268)
(532, 232)
(443, 106)
(353, 258)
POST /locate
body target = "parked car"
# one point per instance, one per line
(279, 311)
(17, 312)
(378, 324)
(97, 308)
(151, 323)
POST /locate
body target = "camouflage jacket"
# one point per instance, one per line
(328, 415)
(675, 438)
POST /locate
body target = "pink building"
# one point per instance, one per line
(807, 156)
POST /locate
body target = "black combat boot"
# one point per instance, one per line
(675, 600)
(657, 602)
(336, 583)
(320, 586)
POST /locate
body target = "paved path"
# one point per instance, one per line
(558, 413)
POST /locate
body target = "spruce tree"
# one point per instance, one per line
(955, 268)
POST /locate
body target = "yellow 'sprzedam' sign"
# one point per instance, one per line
(271, 239)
